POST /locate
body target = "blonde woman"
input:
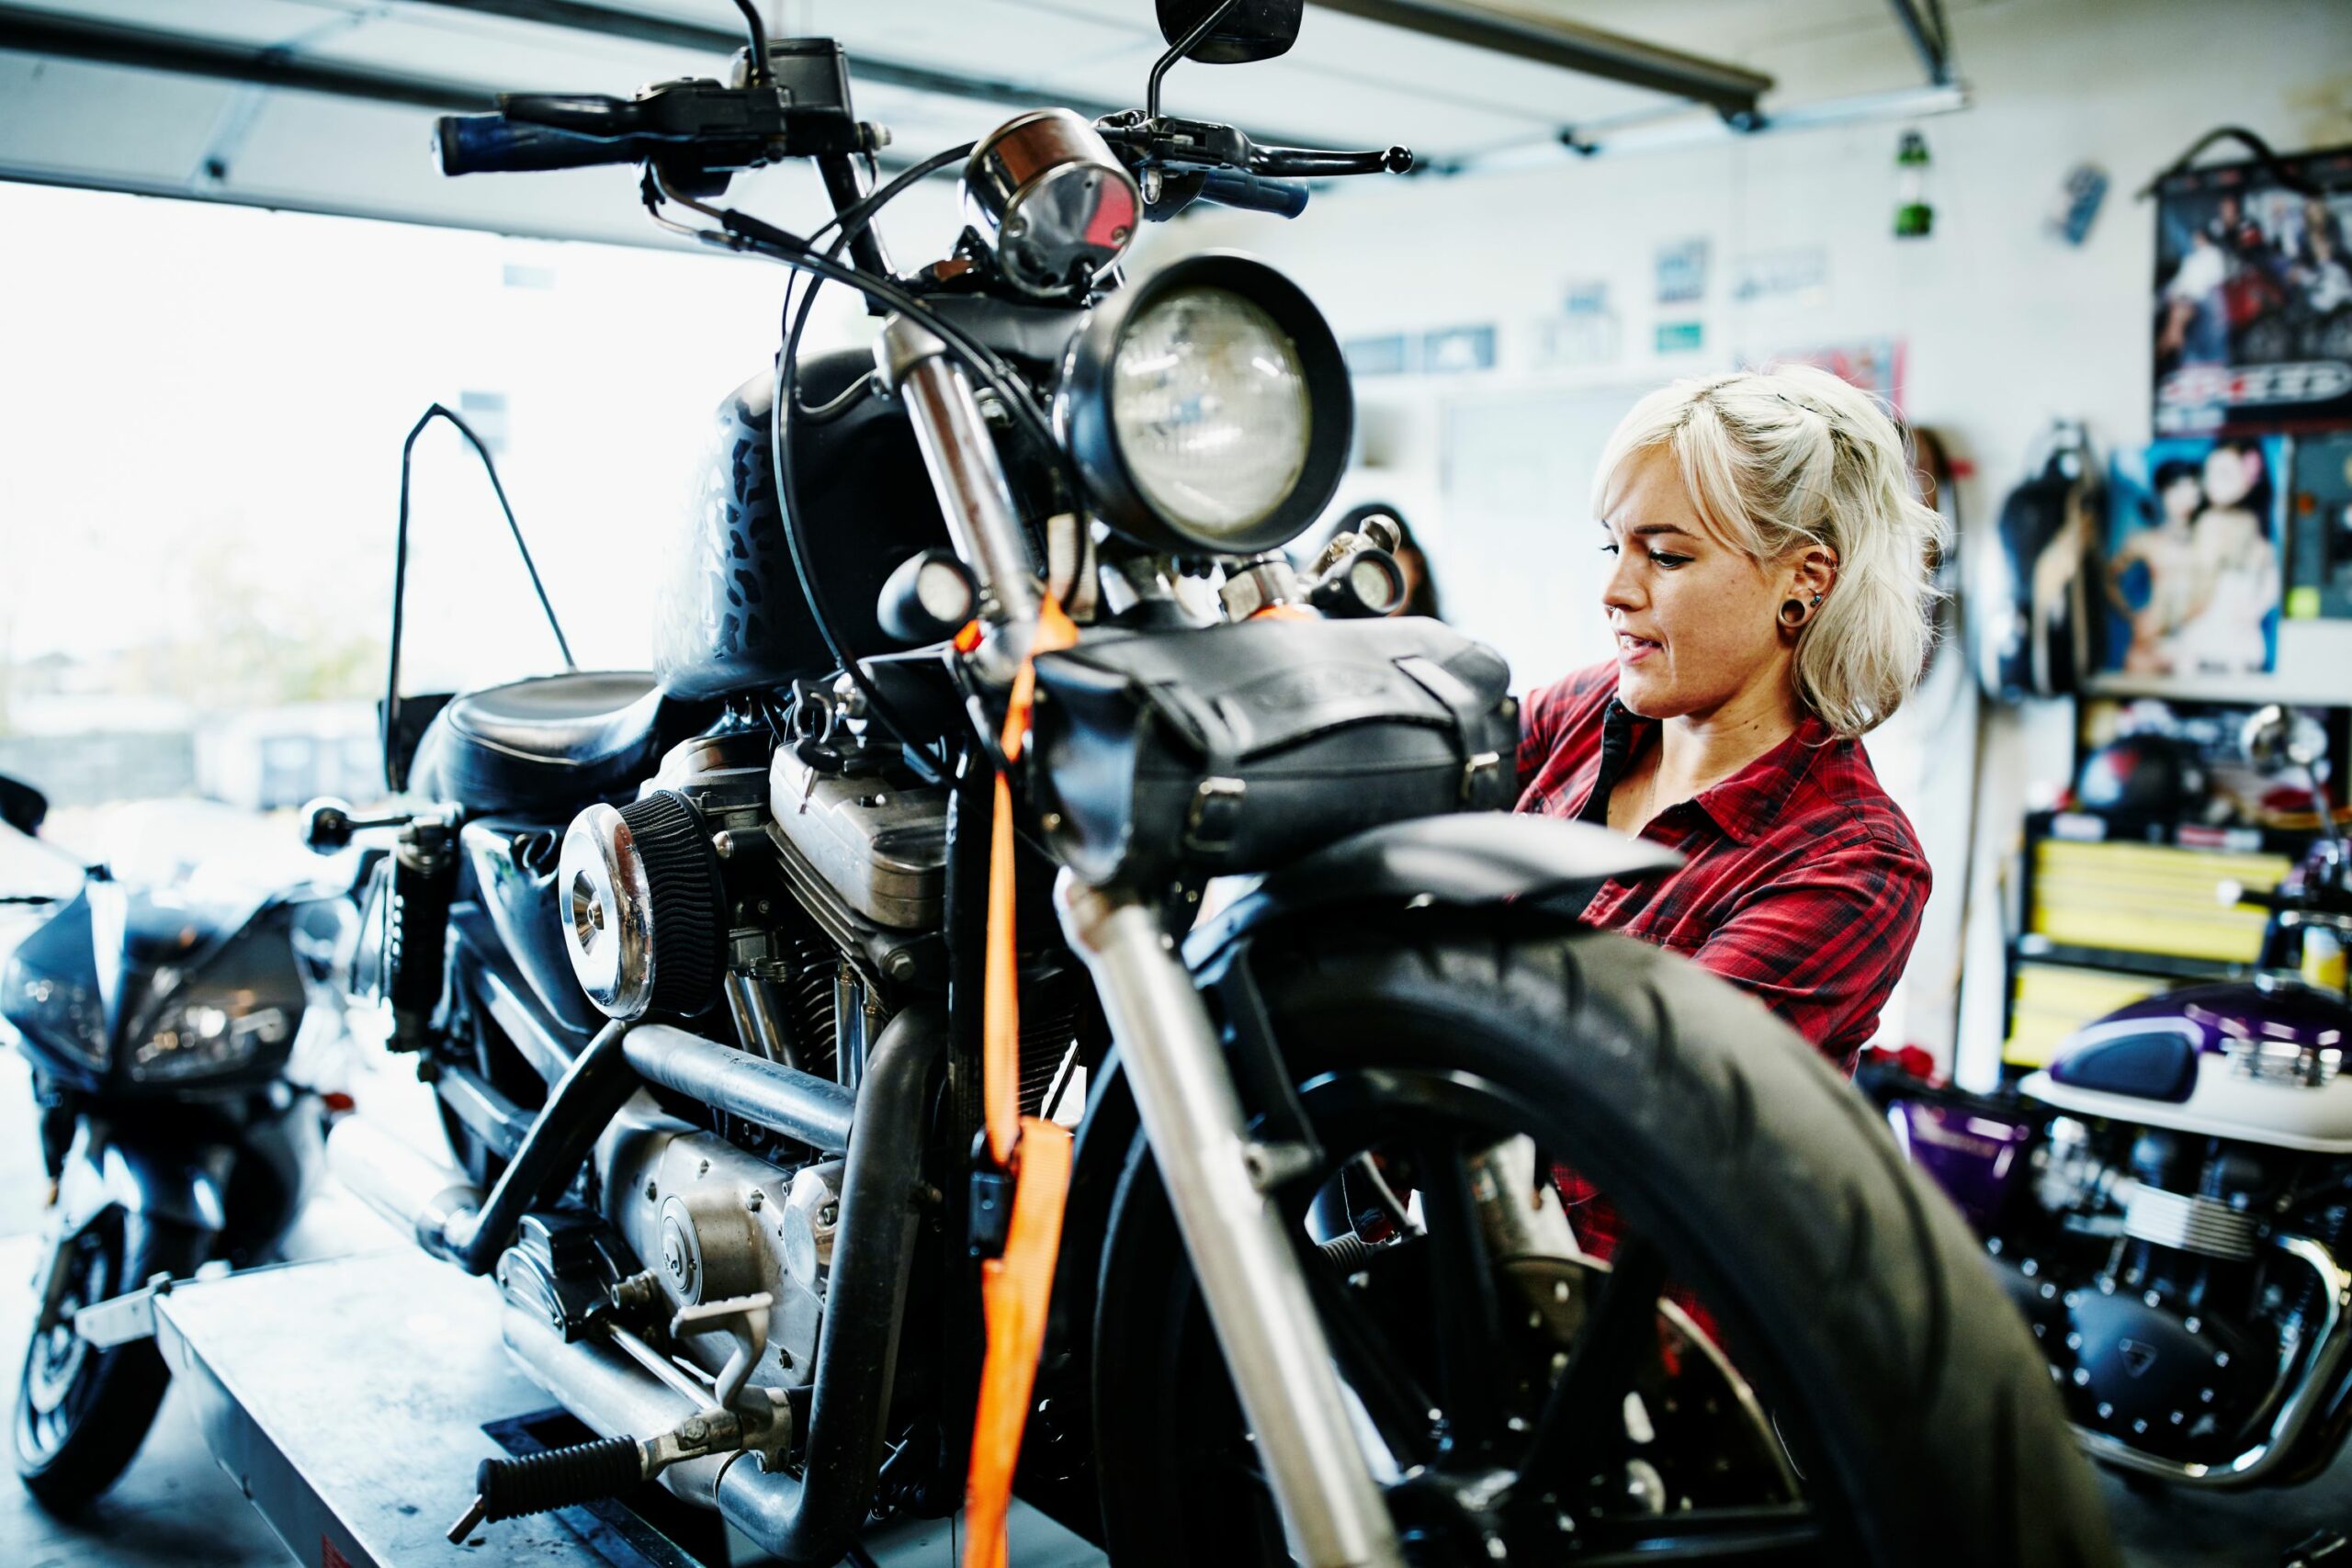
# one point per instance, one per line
(1769, 590)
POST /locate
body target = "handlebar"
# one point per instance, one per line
(1254, 193)
(494, 144)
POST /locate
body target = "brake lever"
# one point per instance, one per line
(1311, 163)
(1180, 146)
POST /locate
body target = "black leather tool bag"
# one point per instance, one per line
(1240, 747)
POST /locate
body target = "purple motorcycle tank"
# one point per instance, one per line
(2260, 1062)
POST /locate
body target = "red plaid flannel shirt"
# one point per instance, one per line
(1801, 881)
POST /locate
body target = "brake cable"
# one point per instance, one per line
(739, 231)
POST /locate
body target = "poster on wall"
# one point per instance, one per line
(1793, 279)
(1388, 355)
(1875, 365)
(1456, 350)
(2193, 545)
(1681, 337)
(2318, 530)
(1585, 334)
(2253, 310)
(1682, 272)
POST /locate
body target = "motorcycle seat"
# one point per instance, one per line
(548, 743)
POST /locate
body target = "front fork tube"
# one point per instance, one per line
(1241, 1251)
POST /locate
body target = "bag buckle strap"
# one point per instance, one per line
(1214, 813)
(1477, 770)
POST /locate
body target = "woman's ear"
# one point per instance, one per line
(1816, 573)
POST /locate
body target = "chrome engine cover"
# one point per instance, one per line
(713, 1222)
(880, 849)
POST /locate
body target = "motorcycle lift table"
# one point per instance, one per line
(351, 1399)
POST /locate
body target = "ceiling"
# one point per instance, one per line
(66, 118)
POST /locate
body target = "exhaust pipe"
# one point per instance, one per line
(416, 1192)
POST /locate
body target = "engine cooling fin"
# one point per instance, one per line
(2204, 1225)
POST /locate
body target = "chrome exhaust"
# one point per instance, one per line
(414, 1192)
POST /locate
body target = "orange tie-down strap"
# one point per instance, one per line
(1017, 1287)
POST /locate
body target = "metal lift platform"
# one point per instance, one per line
(351, 1399)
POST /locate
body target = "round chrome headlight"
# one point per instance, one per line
(1208, 409)
(1208, 401)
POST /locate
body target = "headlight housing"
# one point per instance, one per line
(210, 1036)
(1208, 409)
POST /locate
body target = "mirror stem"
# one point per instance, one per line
(758, 73)
(1191, 40)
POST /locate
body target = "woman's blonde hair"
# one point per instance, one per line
(1793, 457)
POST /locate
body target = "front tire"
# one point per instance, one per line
(1909, 1397)
(81, 1413)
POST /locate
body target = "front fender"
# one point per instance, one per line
(184, 1185)
(1470, 860)
(1473, 859)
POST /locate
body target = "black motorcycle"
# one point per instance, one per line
(159, 1028)
(763, 993)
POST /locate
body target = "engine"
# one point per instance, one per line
(2156, 1274)
(780, 885)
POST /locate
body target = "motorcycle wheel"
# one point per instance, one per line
(82, 1412)
(1753, 1188)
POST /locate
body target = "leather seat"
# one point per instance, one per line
(551, 743)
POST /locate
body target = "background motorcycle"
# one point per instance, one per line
(159, 1026)
(2167, 1201)
(701, 965)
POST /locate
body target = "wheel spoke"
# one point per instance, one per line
(1581, 1416)
(1471, 1358)
(1392, 1396)
(1756, 1537)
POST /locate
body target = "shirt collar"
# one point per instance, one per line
(1745, 805)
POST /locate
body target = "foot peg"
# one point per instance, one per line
(759, 1420)
(587, 1473)
(560, 1478)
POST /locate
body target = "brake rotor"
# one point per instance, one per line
(1694, 1433)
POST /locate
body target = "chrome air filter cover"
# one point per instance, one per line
(616, 868)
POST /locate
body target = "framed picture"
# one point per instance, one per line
(2319, 524)
(2253, 309)
(2194, 545)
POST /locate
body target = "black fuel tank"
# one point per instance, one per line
(729, 612)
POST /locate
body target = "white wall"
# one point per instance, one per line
(2003, 326)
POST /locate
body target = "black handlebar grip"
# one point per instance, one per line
(560, 1478)
(1228, 188)
(493, 144)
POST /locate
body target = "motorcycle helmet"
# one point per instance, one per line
(2141, 775)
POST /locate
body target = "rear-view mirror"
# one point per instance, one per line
(1250, 29)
